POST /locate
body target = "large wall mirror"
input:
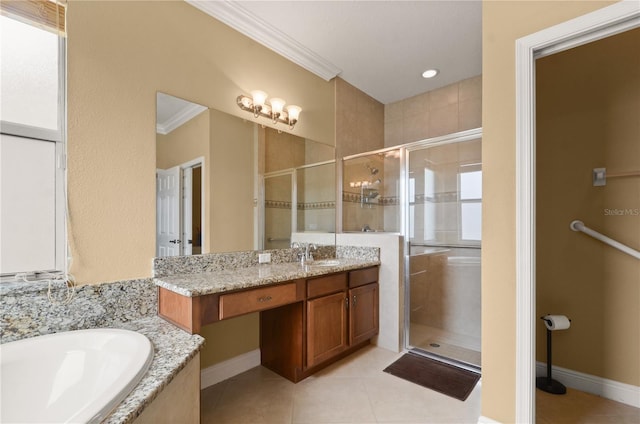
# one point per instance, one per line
(227, 184)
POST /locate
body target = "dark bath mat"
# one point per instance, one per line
(444, 378)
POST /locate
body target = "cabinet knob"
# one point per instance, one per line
(264, 298)
(354, 300)
(346, 302)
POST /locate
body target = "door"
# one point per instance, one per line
(168, 196)
(326, 327)
(187, 211)
(363, 317)
(444, 204)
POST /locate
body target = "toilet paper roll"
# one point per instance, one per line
(556, 322)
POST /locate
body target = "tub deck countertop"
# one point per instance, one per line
(200, 284)
(173, 349)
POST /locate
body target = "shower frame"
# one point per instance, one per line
(403, 194)
(406, 149)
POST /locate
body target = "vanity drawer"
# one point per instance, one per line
(326, 285)
(361, 277)
(254, 300)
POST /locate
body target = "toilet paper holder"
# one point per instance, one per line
(548, 384)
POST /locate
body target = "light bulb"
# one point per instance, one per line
(294, 113)
(277, 105)
(259, 97)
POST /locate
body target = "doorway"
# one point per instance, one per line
(180, 209)
(605, 22)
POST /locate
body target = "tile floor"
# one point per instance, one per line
(356, 390)
(580, 407)
(353, 390)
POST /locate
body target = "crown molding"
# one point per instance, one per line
(183, 115)
(245, 22)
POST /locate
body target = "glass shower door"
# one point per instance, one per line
(279, 210)
(444, 188)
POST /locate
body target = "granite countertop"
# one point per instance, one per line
(173, 349)
(199, 284)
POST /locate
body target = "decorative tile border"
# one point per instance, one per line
(278, 204)
(352, 197)
(446, 197)
(316, 205)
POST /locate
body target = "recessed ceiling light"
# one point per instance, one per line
(430, 73)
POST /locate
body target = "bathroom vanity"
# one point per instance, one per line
(310, 315)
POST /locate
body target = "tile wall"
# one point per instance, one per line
(447, 110)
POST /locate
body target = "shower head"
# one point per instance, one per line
(373, 171)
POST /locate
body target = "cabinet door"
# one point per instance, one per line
(326, 327)
(363, 316)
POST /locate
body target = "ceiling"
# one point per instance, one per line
(171, 112)
(380, 47)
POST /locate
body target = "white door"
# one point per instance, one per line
(187, 211)
(168, 197)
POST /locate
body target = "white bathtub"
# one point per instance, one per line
(71, 377)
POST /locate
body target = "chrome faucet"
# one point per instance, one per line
(307, 251)
(307, 255)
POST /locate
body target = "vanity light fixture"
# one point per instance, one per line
(274, 109)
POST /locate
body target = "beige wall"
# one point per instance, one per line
(232, 181)
(503, 22)
(119, 55)
(455, 107)
(359, 121)
(588, 103)
(187, 142)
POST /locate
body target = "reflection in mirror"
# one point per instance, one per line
(299, 190)
(213, 157)
(182, 133)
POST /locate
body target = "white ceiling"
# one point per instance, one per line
(380, 47)
(171, 112)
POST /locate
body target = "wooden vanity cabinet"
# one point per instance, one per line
(342, 316)
(363, 313)
(326, 326)
(305, 324)
(363, 298)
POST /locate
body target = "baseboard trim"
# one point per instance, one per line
(227, 369)
(610, 389)
(486, 420)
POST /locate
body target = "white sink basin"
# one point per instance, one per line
(75, 376)
(325, 262)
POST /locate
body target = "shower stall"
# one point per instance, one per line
(431, 193)
(444, 190)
